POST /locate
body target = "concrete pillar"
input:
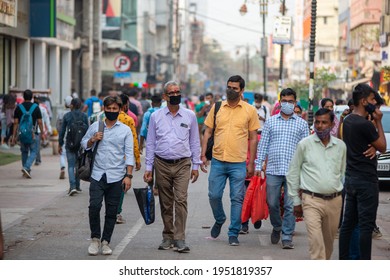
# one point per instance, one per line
(54, 73)
(40, 66)
(97, 46)
(66, 74)
(24, 75)
(88, 45)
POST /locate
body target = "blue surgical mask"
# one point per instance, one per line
(287, 108)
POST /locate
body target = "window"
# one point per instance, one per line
(325, 56)
(325, 20)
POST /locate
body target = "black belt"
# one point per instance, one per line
(171, 161)
(323, 196)
(259, 132)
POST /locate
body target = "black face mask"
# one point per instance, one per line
(175, 99)
(111, 116)
(232, 94)
(370, 108)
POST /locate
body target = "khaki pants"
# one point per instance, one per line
(322, 220)
(172, 181)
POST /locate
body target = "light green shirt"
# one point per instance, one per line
(316, 168)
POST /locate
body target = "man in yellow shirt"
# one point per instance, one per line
(235, 121)
(127, 120)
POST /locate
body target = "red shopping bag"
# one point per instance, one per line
(247, 204)
(255, 205)
(259, 209)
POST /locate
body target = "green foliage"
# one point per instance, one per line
(254, 86)
(322, 79)
(6, 158)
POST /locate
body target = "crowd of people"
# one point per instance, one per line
(314, 173)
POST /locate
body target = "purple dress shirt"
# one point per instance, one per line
(173, 137)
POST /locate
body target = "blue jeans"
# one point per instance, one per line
(219, 173)
(38, 148)
(361, 205)
(29, 153)
(112, 195)
(287, 226)
(74, 181)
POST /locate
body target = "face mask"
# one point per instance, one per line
(111, 116)
(207, 102)
(370, 108)
(323, 134)
(257, 105)
(287, 108)
(175, 99)
(232, 94)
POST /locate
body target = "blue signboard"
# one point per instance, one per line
(43, 18)
(122, 75)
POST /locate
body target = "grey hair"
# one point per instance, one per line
(170, 83)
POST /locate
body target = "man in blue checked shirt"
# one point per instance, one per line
(280, 136)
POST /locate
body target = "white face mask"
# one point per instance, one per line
(207, 102)
(287, 108)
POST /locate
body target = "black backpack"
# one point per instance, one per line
(75, 132)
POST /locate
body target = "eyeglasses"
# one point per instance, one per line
(173, 93)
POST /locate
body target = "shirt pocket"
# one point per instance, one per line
(182, 132)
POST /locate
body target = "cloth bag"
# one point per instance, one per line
(146, 203)
(86, 159)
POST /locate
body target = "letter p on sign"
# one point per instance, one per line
(122, 63)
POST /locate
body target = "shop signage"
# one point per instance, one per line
(8, 12)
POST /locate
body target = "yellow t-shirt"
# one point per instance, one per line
(127, 120)
(232, 129)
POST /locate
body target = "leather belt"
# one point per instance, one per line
(170, 161)
(323, 196)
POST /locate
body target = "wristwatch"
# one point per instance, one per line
(128, 175)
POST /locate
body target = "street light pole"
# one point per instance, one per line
(264, 45)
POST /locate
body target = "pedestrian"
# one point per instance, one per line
(27, 119)
(235, 122)
(279, 139)
(262, 111)
(315, 184)
(361, 179)
(60, 118)
(200, 110)
(145, 103)
(298, 110)
(73, 120)
(125, 119)
(111, 174)
(156, 105)
(328, 103)
(45, 133)
(9, 105)
(172, 144)
(92, 105)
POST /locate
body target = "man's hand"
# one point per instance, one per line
(126, 183)
(137, 166)
(148, 176)
(194, 175)
(377, 115)
(250, 170)
(204, 164)
(298, 212)
(370, 152)
(60, 150)
(97, 137)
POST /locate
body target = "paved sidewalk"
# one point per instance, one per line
(19, 195)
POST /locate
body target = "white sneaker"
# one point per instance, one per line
(94, 247)
(106, 250)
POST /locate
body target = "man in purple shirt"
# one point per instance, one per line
(172, 144)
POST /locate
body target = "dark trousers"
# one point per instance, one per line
(112, 195)
(361, 204)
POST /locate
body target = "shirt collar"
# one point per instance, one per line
(293, 116)
(331, 142)
(225, 103)
(166, 111)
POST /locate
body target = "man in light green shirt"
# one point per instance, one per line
(315, 184)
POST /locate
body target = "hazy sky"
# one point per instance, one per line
(221, 13)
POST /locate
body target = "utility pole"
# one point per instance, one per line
(247, 64)
(281, 52)
(177, 42)
(311, 57)
(170, 39)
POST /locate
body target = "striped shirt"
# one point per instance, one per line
(278, 142)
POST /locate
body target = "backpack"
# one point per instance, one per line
(75, 132)
(26, 127)
(265, 112)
